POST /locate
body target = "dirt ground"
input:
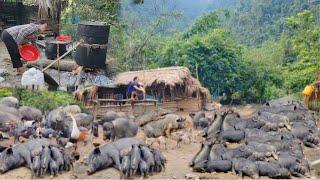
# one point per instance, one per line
(177, 159)
(12, 79)
(176, 168)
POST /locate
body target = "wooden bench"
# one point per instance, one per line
(102, 106)
(123, 102)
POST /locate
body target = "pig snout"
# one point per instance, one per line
(90, 171)
(134, 164)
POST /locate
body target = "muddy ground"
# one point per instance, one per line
(5, 63)
(176, 167)
(177, 161)
(11, 79)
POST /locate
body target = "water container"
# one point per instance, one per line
(93, 51)
(52, 49)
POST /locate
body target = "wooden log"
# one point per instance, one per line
(61, 57)
(64, 65)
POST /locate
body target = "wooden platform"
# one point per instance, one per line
(125, 105)
(102, 106)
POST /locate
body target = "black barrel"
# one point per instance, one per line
(93, 51)
(52, 49)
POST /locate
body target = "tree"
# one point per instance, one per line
(253, 22)
(218, 60)
(129, 38)
(305, 43)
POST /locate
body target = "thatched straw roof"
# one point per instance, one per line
(170, 76)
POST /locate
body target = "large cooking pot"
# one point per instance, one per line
(52, 49)
(93, 51)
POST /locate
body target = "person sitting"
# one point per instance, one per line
(141, 94)
(133, 88)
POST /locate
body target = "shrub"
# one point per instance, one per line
(4, 92)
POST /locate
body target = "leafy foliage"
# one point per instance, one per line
(4, 92)
(305, 43)
(43, 100)
(214, 56)
(253, 22)
(256, 51)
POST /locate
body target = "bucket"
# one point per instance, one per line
(92, 52)
(52, 49)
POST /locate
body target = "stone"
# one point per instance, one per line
(4, 72)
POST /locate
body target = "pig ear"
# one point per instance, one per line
(97, 150)
(9, 151)
(267, 104)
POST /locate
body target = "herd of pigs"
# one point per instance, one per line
(268, 143)
(49, 137)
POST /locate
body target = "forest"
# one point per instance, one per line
(160, 89)
(245, 51)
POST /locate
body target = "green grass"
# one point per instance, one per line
(43, 100)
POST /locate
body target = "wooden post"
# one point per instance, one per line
(163, 94)
(197, 70)
(58, 55)
(199, 105)
(172, 93)
(65, 54)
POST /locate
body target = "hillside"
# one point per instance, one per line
(253, 22)
(189, 9)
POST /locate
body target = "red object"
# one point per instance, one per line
(29, 52)
(64, 38)
(83, 135)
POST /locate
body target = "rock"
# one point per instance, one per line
(4, 72)
(191, 176)
(10, 102)
(1, 79)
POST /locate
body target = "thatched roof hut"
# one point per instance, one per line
(170, 77)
